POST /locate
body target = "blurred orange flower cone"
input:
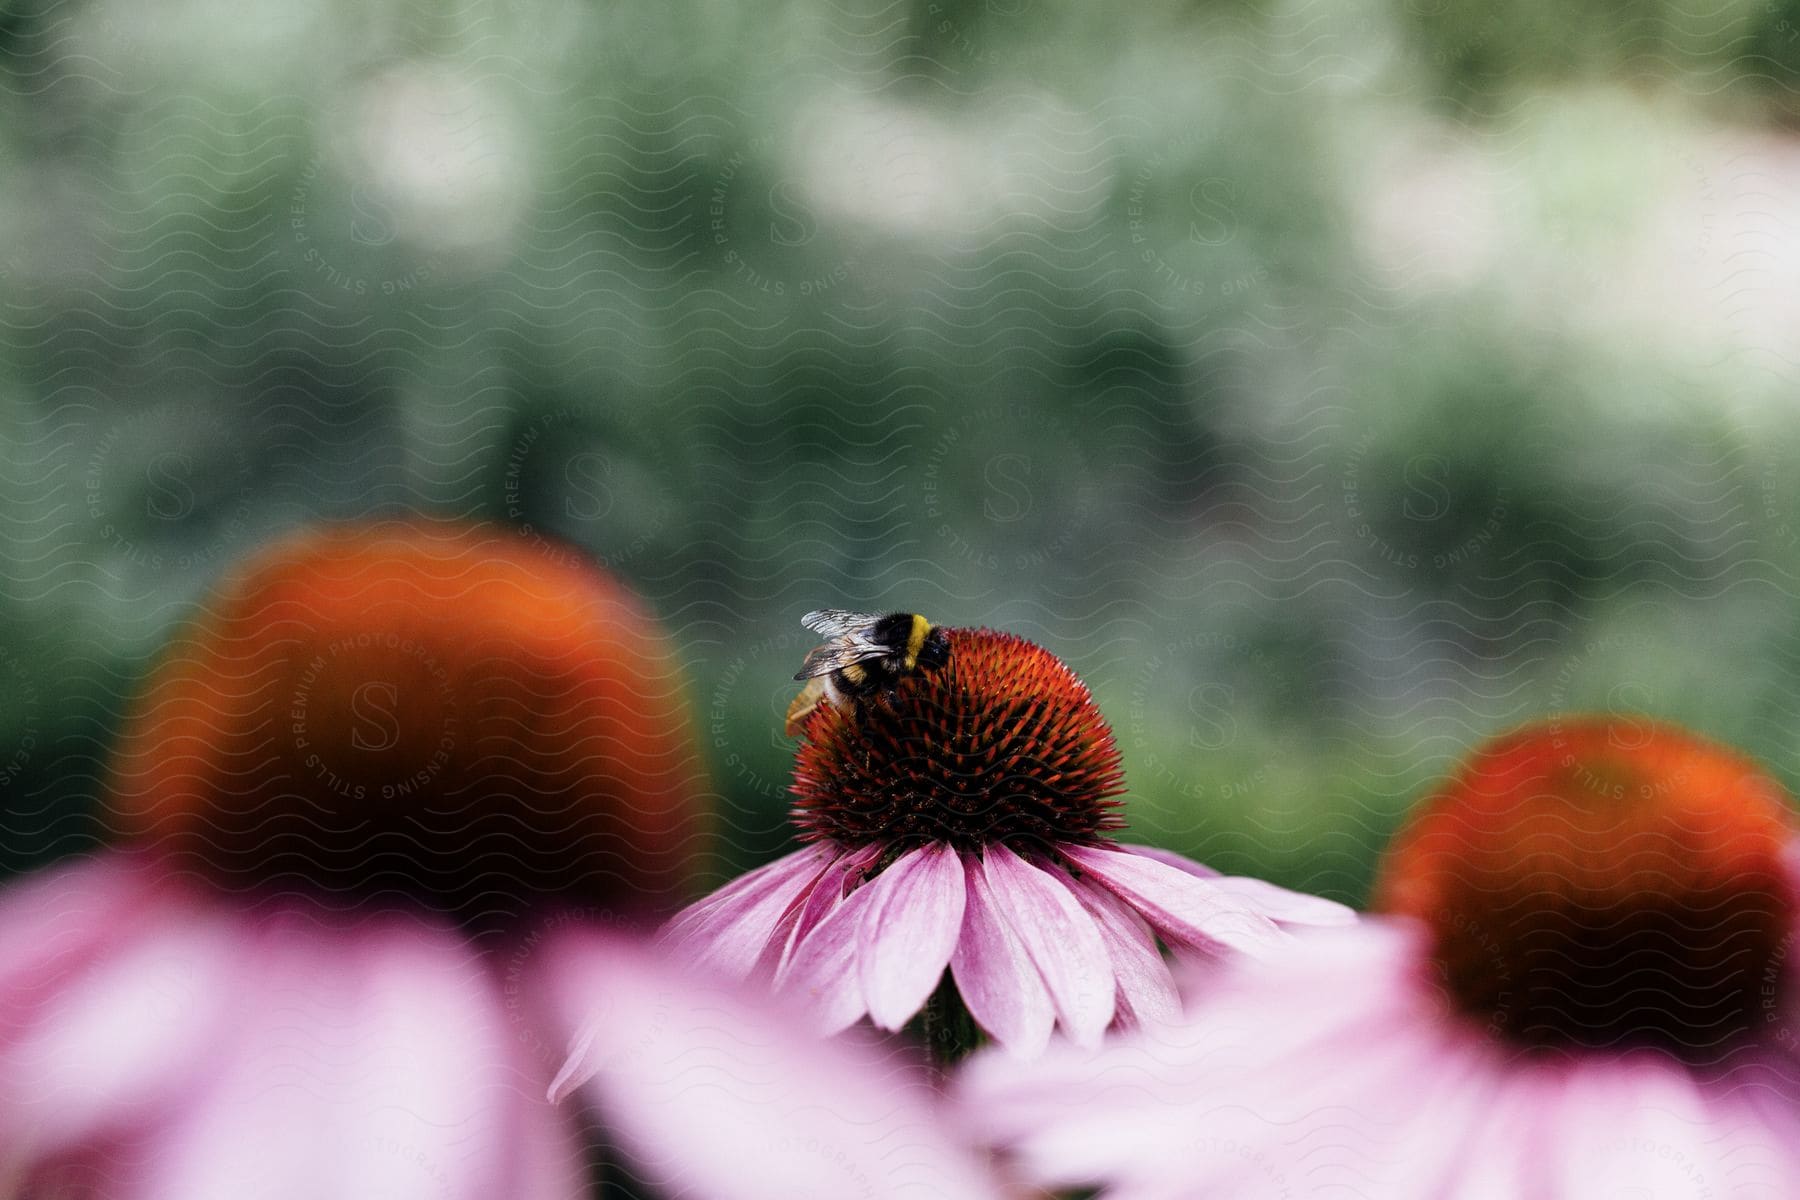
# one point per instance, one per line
(1580, 984)
(442, 711)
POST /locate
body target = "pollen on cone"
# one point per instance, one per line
(1603, 881)
(440, 711)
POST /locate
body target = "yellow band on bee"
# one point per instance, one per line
(915, 641)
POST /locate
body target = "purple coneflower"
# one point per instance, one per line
(1583, 990)
(962, 820)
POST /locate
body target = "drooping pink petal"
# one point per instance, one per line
(731, 931)
(1641, 1124)
(52, 923)
(125, 1038)
(1756, 1095)
(1283, 906)
(811, 857)
(1184, 908)
(372, 1060)
(908, 930)
(1061, 938)
(582, 1064)
(541, 1166)
(1503, 1130)
(1164, 1111)
(821, 977)
(713, 1093)
(826, 893)
(1070, 1119)
(1279, 904)
(1180, 862)
(1239, 1104)
(1146, 988)
(995, 976)
(135, 984)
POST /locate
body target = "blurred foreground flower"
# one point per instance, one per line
(160, 1043)
(1584, 992)
(368, 733)
(961, 821)
(719, 1095)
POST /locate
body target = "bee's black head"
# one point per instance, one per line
(935, 653)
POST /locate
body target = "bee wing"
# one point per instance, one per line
(834, 656)
(834, 623)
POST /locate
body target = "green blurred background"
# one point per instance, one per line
(1331, 385)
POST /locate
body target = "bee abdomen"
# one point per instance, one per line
(859, 679)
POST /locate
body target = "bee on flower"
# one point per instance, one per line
(957, 790)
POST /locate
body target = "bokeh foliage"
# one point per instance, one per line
(1331, 385)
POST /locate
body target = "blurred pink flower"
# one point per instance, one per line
(380, 764)
(1583, 992)
(717, 1094)
(158, 1041)
(959, 822)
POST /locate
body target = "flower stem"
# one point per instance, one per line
(947, 1029)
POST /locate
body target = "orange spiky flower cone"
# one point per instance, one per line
(1602, 882)
(437, 711)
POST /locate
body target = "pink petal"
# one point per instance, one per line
(908, 930)
(1182, 907)
(822, 976)
(1307, 1081)
(1283, 906)
(583, 1064)
(128, 1035)
(1180, 862)
(732, 930)
(1758, 1093)
(995, 976)
(826, 893)
(374, 1060)
(1505, 1148)
(1277, 903)
(127, 1011)
(715, 1093)
(542, 1166)
(1061, 939)
(51, 922)
(1146, 988)
(1642, 1125)
(1073, 1118)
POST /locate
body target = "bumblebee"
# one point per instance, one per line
(863, 655)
